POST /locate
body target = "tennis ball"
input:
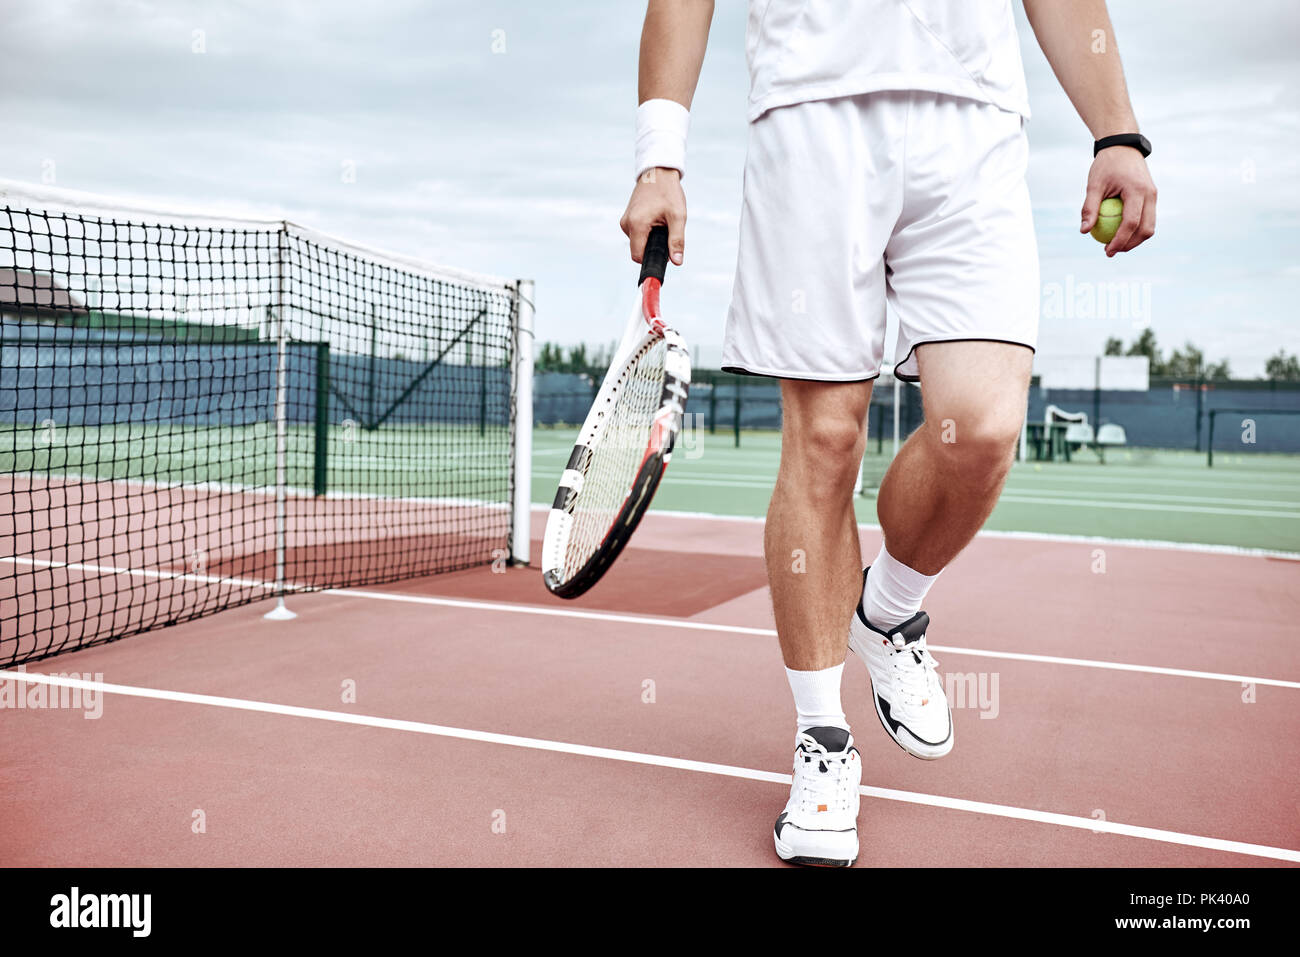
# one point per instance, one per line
(1108, 220)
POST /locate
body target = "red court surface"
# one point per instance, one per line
(1145, 715)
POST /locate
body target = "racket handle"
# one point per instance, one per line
(654, 261)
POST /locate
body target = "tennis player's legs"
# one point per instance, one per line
(808, 308)
(919, 200)
(963, 279)
(949, 473)
(814, 558)
(935, 496)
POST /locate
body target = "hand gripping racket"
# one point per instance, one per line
(625, 443)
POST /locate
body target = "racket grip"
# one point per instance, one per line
(654, 261)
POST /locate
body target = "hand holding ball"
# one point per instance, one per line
(1108, 219)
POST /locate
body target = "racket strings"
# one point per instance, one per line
(614, 455)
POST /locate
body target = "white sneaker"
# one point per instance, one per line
(820, 822)
(909, 696)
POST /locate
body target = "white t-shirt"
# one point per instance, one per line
(800, 50)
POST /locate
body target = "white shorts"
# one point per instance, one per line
(913, 199)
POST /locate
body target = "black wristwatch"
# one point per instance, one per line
(1135, 140)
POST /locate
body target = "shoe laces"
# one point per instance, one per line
(914, 670)
(825, 778)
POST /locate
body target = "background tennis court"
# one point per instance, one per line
(1248, 500)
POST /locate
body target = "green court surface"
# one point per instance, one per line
(1246, 500)
(1249, 501)
(409, 461)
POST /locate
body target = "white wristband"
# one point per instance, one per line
(661, 127)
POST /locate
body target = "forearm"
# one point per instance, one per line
(673, 40)
(1077, 39)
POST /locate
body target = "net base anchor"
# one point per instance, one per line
(280, 612)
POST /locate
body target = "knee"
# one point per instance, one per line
(829, 446)
(977, 444)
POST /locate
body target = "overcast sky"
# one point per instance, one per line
(497, 136)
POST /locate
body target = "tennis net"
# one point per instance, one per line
(199, 413)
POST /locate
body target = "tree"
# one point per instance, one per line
(1282, 367)
(577, 359)
(1189, 363)
(1185, 363)
(603, 356)
(1145, 345)
(1114, 346)
(549, 358)
(552, 357)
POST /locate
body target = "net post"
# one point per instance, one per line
(483, 387)
(372, 371)
(521, 481)
(1096, 397)
(1209, 441)
(320, 469)
(735, 414)
(280, 612)
(1200, 411)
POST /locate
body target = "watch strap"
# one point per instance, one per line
(1135, 140)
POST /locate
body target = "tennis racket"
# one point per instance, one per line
(625, 443)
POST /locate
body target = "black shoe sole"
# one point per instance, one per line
(819, 862)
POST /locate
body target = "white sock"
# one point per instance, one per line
(817, 698)
(894, 592)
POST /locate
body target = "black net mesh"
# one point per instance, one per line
(198, 416)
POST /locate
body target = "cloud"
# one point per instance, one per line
(497, 136)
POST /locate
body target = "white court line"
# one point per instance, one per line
(1114, 666)
(1027, 479)
(545, 612)
(545, 506)
(664, 761)
(686, 624)
(145, 573)
(678, 623)
(757, 484)
(1145, 506)
(67, 480)
(701, 467)
(1152, 544)
(1031, 488)
(1045, 498)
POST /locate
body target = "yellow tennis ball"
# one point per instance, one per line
(1108, 220)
